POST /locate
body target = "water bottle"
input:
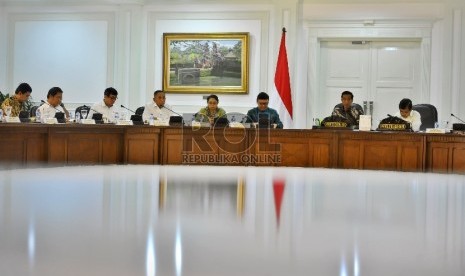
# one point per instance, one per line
(151, 120)
(78, 117)
(116, 116)
(38, 116)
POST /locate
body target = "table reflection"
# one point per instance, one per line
(155, 220)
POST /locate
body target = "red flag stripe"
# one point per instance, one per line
(281, 77)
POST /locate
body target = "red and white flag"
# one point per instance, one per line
(281, 77)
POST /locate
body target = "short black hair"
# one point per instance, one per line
(405, 103)
(110, 91)
(348, 93)
(157, 91)
(213, 97)
(53, 91)
(262, 96)
(23, 88)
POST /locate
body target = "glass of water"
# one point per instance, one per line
(84, 114)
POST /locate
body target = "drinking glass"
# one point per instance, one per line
(8, 111)
(84, 114)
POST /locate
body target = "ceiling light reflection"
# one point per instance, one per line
(31, 242)
(178, 251)
(151, 266)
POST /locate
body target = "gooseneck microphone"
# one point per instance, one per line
(90, 108)
(51, 106)
(457, 118)
(128, 109)
(172, 111)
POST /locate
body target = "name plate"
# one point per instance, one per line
(435, 130)
(88, 121)
(195, 124)
(335, 124)
(124, 122)
(161, 123)
(392, 126)
(12, 120)
(51, 121)
(236, 125)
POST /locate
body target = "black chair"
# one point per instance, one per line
(429, 115)
(33, 111)
(82, 107)
(140, 110)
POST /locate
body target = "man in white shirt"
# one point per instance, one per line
(106, 107)
(158, 108)
(406, 113)
(53, 104)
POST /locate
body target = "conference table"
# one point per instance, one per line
(30, 144)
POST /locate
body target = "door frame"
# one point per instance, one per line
(319, 31)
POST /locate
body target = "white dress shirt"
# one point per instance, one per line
(107, 112)
(414, 118)
(162, 114)
(47, 111)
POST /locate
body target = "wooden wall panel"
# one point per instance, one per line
(458, 159)
(379, 156)
(439, 161)
(110, 144)
(319, 154)
(350, 154)
(411, 158)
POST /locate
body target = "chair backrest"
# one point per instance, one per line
(33, 111)
(429, 115)
(79, 108)
(140, 110)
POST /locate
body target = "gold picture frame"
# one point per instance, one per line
(206, 63)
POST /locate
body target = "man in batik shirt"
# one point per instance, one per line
(347, 109)
(18, 100)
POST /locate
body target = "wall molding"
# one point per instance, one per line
(333, 30)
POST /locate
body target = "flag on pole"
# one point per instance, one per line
(281, 77)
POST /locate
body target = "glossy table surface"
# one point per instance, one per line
(195, 220)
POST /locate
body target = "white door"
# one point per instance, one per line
(379, 74)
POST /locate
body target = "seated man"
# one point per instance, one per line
(53, 104)
(262, 110)
(18, 100)
(407, 114)
(347, 109)
(106, 107)
(157, 108)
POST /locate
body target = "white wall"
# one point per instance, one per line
(130, 57)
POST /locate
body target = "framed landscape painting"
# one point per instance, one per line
(206, 63)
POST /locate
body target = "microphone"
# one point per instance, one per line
(457, 118)
(85, 106)
(42, 101)
(172, 111)
(128, 109)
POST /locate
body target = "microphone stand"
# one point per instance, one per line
(90, 108)
(128, 109)
(457, 118)
(172, 111)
